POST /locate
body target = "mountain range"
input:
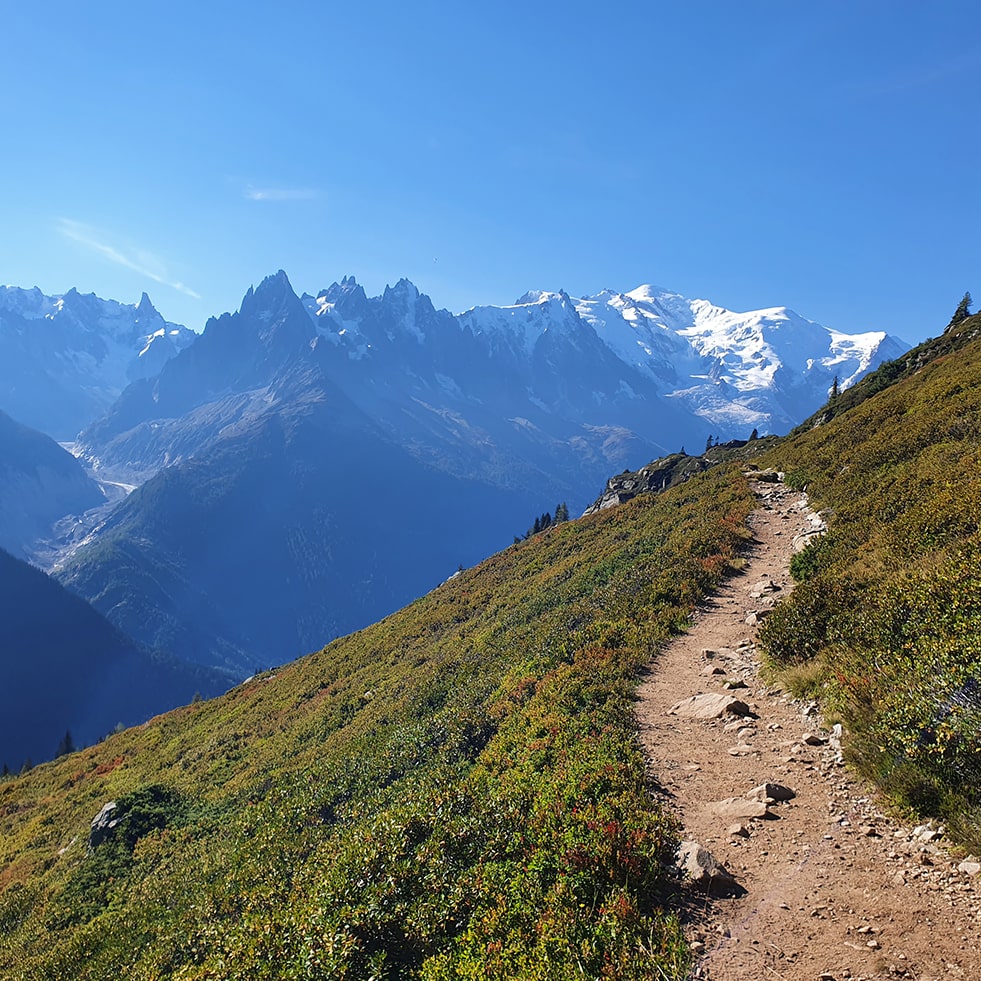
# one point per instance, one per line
(312, 462)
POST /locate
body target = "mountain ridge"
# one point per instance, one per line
(65, 358)
(499, 412)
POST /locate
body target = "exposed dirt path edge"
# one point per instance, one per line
(835, 889)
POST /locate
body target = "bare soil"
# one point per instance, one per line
(835, 888)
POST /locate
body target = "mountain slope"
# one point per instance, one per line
(65, 359)
(40, 483)
(455, 791)
(298, 524)
(66, 668)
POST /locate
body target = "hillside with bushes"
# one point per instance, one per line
(885, 623)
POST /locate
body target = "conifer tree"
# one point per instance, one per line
(962, 312)
(67, 744)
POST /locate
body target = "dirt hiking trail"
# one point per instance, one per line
(832, 888)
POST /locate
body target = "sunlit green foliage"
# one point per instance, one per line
(454, 792)
(891, 598)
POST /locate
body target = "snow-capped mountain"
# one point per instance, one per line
(65, 359)
(550, 391)
(765, 368)
(350, 451)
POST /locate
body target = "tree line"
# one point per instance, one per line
(545, 521)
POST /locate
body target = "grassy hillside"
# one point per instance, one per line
(886, 620)
(454, 792)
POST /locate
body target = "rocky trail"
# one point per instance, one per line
(818, 882)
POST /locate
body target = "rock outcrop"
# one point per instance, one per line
(657, 476)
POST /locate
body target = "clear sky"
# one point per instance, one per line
(822, 156)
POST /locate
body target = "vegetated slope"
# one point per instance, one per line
(66, 669)
(886, 619)
(40, 483)
(456, 791)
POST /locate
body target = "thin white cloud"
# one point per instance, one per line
(142, 262)
(280, 193)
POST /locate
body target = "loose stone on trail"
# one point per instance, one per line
(709, 706)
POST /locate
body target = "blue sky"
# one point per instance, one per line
(821, 156)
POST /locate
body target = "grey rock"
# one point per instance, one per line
(763, 476)
(657, 476)
(103, 825)
(709, 706)
(704, 871)
(739, 808)
(771, 791)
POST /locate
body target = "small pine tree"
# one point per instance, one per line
(709, 444)
(6, 770)
(537, 526)
(67, 744)
(833, 395)
(962, 312)
(561, 512)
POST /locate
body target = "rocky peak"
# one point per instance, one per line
(347, 298)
